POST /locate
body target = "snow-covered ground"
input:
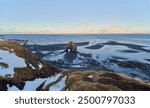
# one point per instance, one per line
(55, 56)
(12, 61)
(116, 50)
(32, 85)
(100, 55)
(121, 52)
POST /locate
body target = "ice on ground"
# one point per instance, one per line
(13, 88)
(78, 60)
(32, 85)
(12, 60)
(33, 52)
(127, 71)
(44, 52)
(57, 55)
(58, 86)
(76, 66)
(108, 51)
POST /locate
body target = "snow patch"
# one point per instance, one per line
(44, 52)
(32, 85)
(58, 86)
(55, 56)
(32, 66)
(76, 66)
(127, 71)
(12, 60)
(90, 76)
(2, 40)
(40, 65)
(13, 88)
(33, 52)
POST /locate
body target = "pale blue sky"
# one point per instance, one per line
(74, 16)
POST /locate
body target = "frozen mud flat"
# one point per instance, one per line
(130, 59)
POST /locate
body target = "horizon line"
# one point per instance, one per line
(71, 33)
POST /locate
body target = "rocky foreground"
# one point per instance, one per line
(103, 81)
(75, 81)
(35, 67)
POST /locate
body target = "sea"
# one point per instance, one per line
(44, 39)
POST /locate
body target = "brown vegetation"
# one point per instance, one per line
(103, 81)
(26, 73)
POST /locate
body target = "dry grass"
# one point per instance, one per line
(103, 81)
(26, 73)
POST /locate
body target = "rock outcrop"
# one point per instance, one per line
(104, 81)
(35, 67)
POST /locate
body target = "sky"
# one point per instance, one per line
(74, 16)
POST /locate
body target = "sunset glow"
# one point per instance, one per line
(74, 16)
